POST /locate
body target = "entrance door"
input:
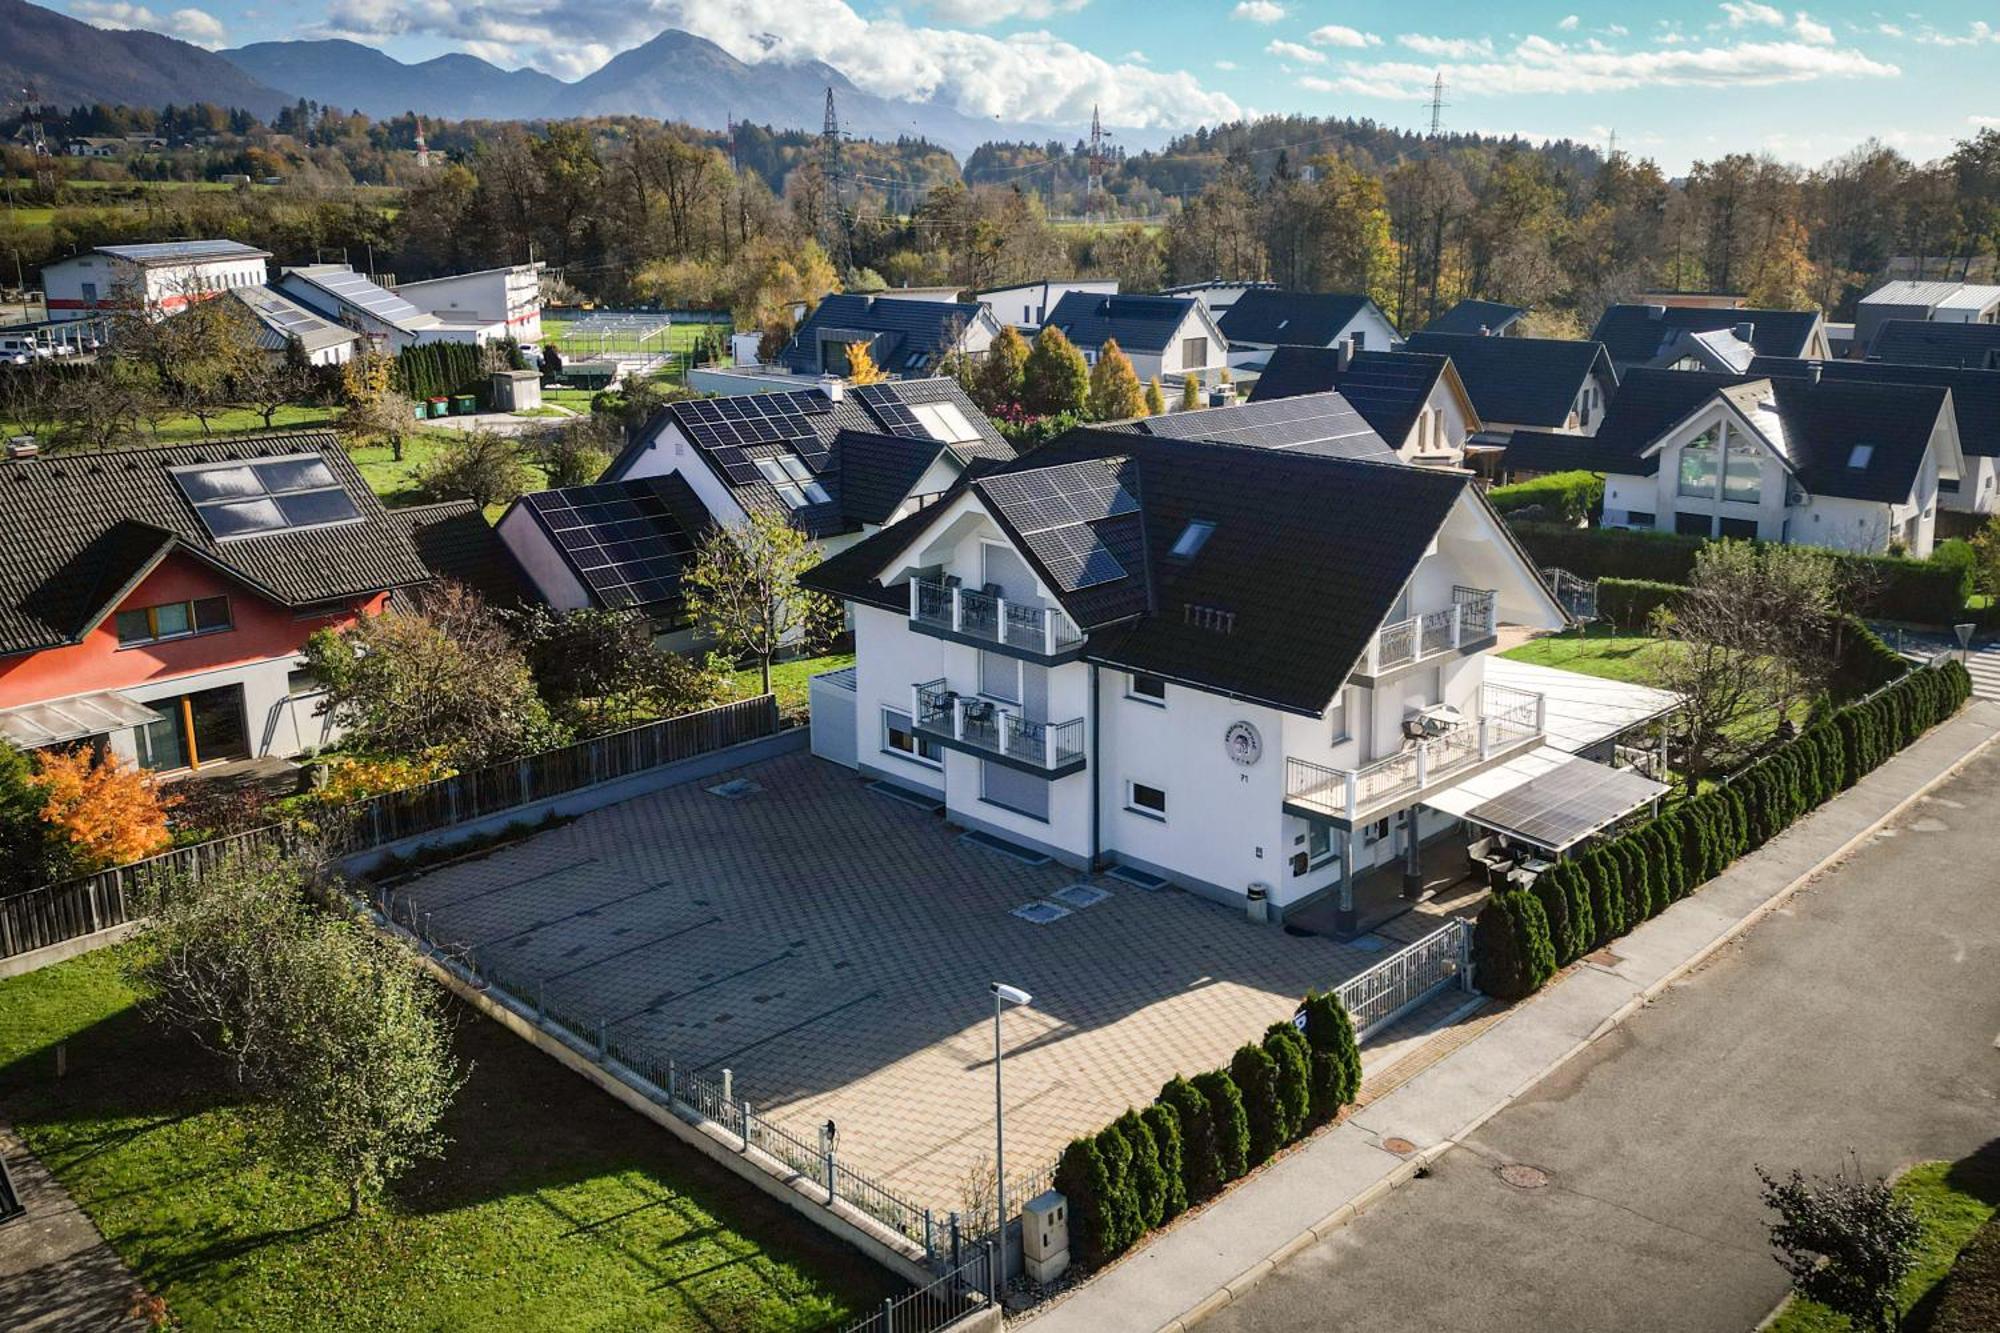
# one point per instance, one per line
(204, 727)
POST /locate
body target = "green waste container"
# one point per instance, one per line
(464, 404)
(439, 406)
(418, 411)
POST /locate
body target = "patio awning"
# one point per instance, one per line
(1580, 711)
(1558, 809)
(1460, 799)
(57, 721)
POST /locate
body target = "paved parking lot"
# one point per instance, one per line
(832, 946)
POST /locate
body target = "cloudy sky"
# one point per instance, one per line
(1677, 81)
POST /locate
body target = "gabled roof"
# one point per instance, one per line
(877, 472)
(1919, 342)
(83, 528)
(626, 542)
(1276, 607)
(333, 288)
(1325, 424)
(1139, 323)
(283, 319)
(455, 542)
(1638, 335)
(1388, 389)
(1519, 381)
(1489, 318)
(1649, 402)
(1296, 319)
(1975, 394)
(905, 336)
(1933, 295)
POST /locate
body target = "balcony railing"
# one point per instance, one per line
(1469, 619)
(1509, 720)
(983, 726)
(950, 608)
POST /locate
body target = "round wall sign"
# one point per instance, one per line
(1245, 746)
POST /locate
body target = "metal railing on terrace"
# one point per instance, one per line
(1399, 983)
(940, 605)
(1508, 720)
(1470, 618)
(983, 724)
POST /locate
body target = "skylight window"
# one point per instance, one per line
(1193, 537)
(265, 495)
(1858, 459)
(793, 480)
(944, 422)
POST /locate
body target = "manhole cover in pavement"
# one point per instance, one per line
(1524, 1177)
(1400, 1147)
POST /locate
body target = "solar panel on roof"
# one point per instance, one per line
(621, 538)
(265, 495)
(377, 301)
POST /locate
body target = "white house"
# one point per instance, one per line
(1414, 400)
(1550, 384)
(1818, 462)
(165, 275)
(1168, 337)
(1262, 321)
(338, 293)
(511, 295)
(1248, 671)
(1218, 294)
(1026, 305)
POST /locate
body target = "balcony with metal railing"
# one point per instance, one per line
(947, 610)
(1510, 721)
(997, 731)
(1468, 625)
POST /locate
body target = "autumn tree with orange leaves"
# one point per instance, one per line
(111, 810)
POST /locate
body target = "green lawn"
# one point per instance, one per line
(791, 681)
(1596, 651)
(395, 480)
(555, 1208)
(182, 430)
(1954, 1200)
(681, 337)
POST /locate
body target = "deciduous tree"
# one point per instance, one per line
(743, 590)
(111, 810)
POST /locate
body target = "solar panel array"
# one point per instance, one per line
(265, 495)
(895, 415)
(725, 427)
(377, 301)
(288, 318)
(153, 252)
(1054, 509)
(621, 538)
(1319, 423)
(1565, 805)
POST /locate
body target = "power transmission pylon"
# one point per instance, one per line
(1437, 104)
(38, 143)
(833, 231)
(1093, 181)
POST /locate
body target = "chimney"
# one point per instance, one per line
(833, 386)
(22, 446)
(1744, 332)
(1485, 330)
(1344, 353)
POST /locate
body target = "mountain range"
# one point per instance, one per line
(675, 76)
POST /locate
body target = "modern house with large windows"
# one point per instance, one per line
(155, 601)
(1250, 671)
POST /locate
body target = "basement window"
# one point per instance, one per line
(1193, 537)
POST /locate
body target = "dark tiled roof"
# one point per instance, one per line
(1388, 389)
(1489, 318)
(906, 337)
(81, 526)
(877, 472)
(1139, 323)
(1919, 342)
(455, 542)
(1975, 394)
(1323, 423)
(626, 542)
(1519, 381)
(1647, 403)
(1553, 451)
(1638, 335)
(1827, 421)
(1297, 319)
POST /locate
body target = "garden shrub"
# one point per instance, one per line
(1147, 1179)
(1201, 1158)
(1231, 1124)
(1086, 1184)
(1287, 1047)
(1549, 892)
(1165, 1123)
(1336, 1055)
(1118, 1205)
(1569, 496)
(1255, 1074)
(1510, 942)
(1628, 604)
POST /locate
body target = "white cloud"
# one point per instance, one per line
(1033, 76)
(1569, 23)
(190, 25)
(979, 13)
(1225, 64)
(1888, 30)
(1451, 48)
(1335, 34)
(1749, 13)
(1978, 34)
(1257, 11)
(1808, 29)
(1984, 122)
(1137, 57)
(1617, 30)
(1312, 83)
(1304, 55)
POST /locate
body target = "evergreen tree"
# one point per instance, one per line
(1115, 394)
(999, 376)
(1156, 401)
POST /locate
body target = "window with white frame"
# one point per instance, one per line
(1146, 689)
(1698, 465)
(1144, 799)
(902, 739)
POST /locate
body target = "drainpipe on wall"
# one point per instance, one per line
(1096, 768)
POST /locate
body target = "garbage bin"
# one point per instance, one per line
(439, 406)
(418, 411)
(463, 404)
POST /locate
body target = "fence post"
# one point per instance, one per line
(831, 1167)
(743, 1109)
(889, 1314)
(930, 1236)
(993, 1269)
(954, 1240)
(673, 1083)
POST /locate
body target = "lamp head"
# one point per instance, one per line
(1012, 994)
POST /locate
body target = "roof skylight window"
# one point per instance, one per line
(265, 495)
(1193, 537)
(944, 422)
(1858, 459)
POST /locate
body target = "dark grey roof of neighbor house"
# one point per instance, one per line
(1488, 318)
(1139, 323)
(1325, 424)
(1975, 394)
(1295, 319)
(83, 528)
(1920, 342)
(906, 337)
(455, 542)
(1388, 389)
(1638, 335)
(877, 472)
(1519, 381)
(1647, 403)
(626, 542)
(1553, 451)
(1278, 604)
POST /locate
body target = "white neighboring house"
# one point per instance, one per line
(284, 321)
(167, 275)
(1548, 384)
(510, 296)
(1169, 337)
(1218, 294)
(385, 318)
(1820, 462)
(1262, 321)
(1933, 302)
(1026, 305)
(1414, 400)
(1249, 671)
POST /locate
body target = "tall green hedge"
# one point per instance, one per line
(1201, 1163)
(1287, 1047)
(1628, 604)
(1165, 1122)
(1255, 1075)
(1231, 1122)
(1336, 1055)
(1570, 496)
(1586, 901)
(438, 370)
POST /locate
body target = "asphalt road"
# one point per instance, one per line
(1865, 1017)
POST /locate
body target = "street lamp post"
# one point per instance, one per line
(1003, 995)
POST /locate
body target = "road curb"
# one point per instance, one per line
(1409, 1169)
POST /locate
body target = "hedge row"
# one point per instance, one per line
(438, 370)
(1148, 1166)
(1569, 496)
(1628, 604)
(1926, 591)
(1582, 903)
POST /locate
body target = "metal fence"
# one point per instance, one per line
(1404, 980)
(957, 1294)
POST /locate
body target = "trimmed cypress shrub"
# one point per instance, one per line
(1165, 1123)
(1255, 1074)
(1201, 1160)
(1631, 881)
(1511, 944)
(1118, 1206)
(1231, 1125)
(1583, 928)
(1336, 1056)
(1084, 1181)
(1148, 1180)
(1287, 1047)
(1607, 904)
(1549, 893)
